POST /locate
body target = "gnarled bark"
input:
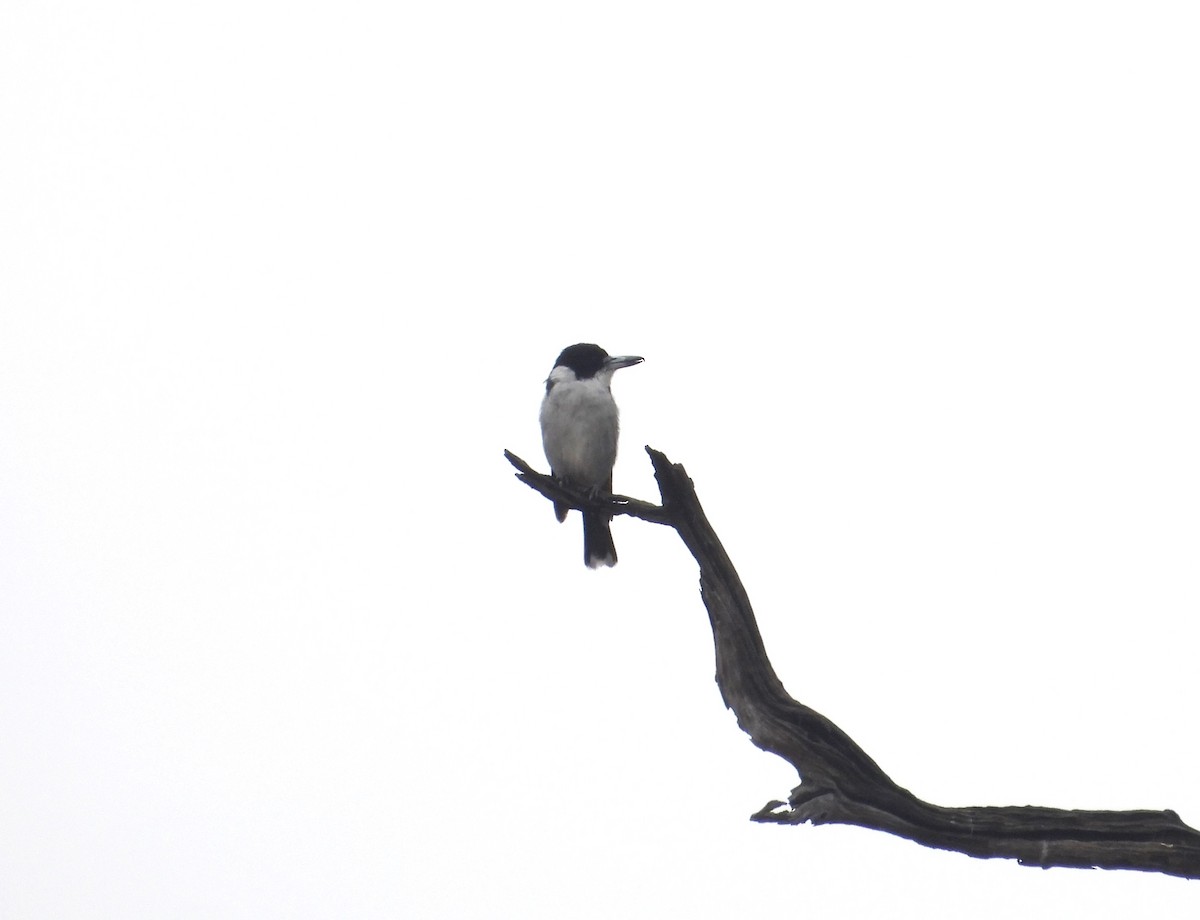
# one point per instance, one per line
(840, 783)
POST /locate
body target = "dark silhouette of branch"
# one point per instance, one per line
(840, 783)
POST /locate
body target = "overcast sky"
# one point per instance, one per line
(280, 635)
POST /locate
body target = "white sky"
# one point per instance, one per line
(280, 635)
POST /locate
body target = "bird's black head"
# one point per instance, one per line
(584, 359)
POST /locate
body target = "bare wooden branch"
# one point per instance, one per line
(840, 783)
(612, 504)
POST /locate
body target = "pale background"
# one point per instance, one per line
(280, 636)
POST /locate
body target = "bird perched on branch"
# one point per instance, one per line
(579, 434)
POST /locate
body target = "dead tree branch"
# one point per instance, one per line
(840, 783)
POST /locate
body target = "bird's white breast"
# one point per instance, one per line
(579, 428)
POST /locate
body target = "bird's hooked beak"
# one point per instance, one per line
(617, 361)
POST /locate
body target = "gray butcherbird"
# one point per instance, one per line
(579, 434)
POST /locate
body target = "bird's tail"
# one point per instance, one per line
(598, 546)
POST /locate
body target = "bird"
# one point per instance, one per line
(579, 434)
